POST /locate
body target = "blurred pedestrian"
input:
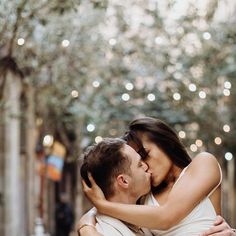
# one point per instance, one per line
(64, 216)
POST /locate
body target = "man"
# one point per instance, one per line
(122, 176)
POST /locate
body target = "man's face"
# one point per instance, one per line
(139, 177)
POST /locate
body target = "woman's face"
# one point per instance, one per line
(159, 165)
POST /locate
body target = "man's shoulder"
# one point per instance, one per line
(107, 226)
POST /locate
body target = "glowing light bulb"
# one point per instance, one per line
(20, 41)
(192, 87)
(125, 97)
(228, 156)
(193, 147)
(90, 127)
(151, 97)
(129, 86)
(206, 35)
(48, 140)
(226, 128)
(202, 94)
(74, 93)
(158, 40)
(65, 43)
(227, 85)
(96, 84)
(199, 143)
(182, 134)
(98, 139)
(226, 92)
(218, 140)
(112, 42)
(176, 96)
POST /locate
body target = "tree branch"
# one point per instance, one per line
(15, 28)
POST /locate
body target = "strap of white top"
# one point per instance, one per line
(221, 177)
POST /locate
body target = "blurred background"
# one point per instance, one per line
(75, 71)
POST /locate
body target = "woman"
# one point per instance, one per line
(185, 195)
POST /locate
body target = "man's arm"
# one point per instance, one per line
(220, 228)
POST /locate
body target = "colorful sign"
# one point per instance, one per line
(55, 161)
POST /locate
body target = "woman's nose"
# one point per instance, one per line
(145, 166)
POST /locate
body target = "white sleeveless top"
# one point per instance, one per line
(197, 221)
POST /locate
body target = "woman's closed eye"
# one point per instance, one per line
(143, 153)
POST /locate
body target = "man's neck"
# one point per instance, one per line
(123, 198)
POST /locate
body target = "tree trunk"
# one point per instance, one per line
(30, 144)
(13, 213)
(1, 170)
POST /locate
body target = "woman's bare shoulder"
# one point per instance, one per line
(204, 158)
(205, 163)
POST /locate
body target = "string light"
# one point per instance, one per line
(112, 42)
(218, 140)
(227, 85)
(129, 86)
(96, 84)
(226, 92)
(98, 139)
(151, 97)
(158, 40)
(90, 127)
(182, 134)
(65, 43)
(74, 93)
(202, 94)
(228, 156)
(125, 97)
(199, 143)
(226, 128)
(20, 41)
(192, 87)
(176, 96)
(193, 147)
(48, 140)
(206, 35)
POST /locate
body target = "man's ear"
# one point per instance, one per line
(122, 180)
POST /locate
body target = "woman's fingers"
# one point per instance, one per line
(91, 179)
(219, 220)
(85, 186)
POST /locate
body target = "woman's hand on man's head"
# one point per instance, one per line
(93, 193)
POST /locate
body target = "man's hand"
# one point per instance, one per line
(220, 228)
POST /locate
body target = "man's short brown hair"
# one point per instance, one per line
(105, 161)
